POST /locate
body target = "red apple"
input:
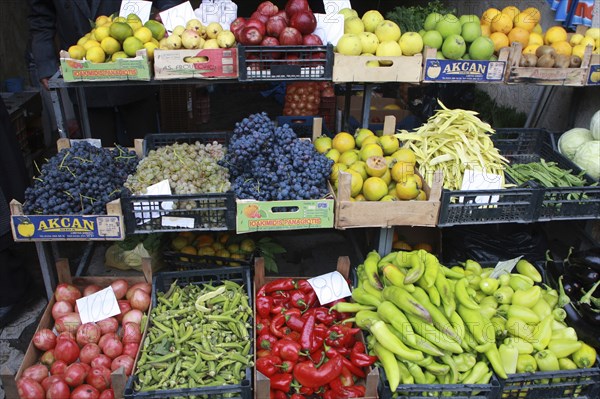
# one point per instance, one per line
(255, 23)
(304, 21)
(312, 40)
(267, 8)
(250, 36)
(275, 25)
(293, 6)
(290, 37)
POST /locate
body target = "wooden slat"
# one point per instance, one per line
(354, 69)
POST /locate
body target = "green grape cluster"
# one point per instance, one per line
(189, 168)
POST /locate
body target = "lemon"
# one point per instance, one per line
(82, 40)
(101, 32)
(120, 19)
(144, 34)
(578, 50)
(110, 45)
(95, 55)
(158, 29)
(134, 21)
(588, 41)
(91, 43)
(575, 39)
(131, 45)
(594, 33)
(150, 47)
(117, 55)
(120, 31)
(77, 52)
(102, 20)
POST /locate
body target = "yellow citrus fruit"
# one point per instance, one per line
(374, 189)
(102, 20)
(150, 47)
(401, 170)
(91, 43)
(77, 52)
(588, 41)
(488, 15)
(502, 23)
(562, 47)
(131, 45)
(519, 35)
(485, 30)
(533, 13)
(120, 31)
(101, 32)
(536, 38)
(538, 29)
(512, 11)
(407, 189)
(95, 55)
(576, 39)
(110, 45)
(594, 33)
(524, 21)
(356, 182)
(343, 142)
(117, 55)
(500, 40)
(530, 49)
(144, 34)
(578, 50)
(555, 34)
(82, 40)
(405, 155)
(370, 150)
(361, 134)
(323, 144)
(348, 158)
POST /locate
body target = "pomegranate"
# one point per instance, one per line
(125, 307)
(267, 8)
(147, 288)
(37, 372)
(293, 6)
(275, 25)
(89, 352)
(30, 389)
(44, 339)
(290, 37)
(261, 17)
(88, 333)
(107, 394)
(123, 361)
(101, 361)
(58, 390)
(66, 335)
(67, 292)
(99, 378)
(91, 289)
(46, 382)
(312, 40)
(112, 348)
(133, 316)
(48, 358)
(69, 322)
(131, 349)
(250, 36)
(58, 367)
(255, 23)
(108, 325)
(85, 391)
(120, 288)
(141, 300)
(75, 375)
(131, 333)
(105, 338)
(66, 350)
(61, 308)
(304, 21)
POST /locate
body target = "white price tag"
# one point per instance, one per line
(330, 287)
(334, 6)
(142, 208)
(94, 142)
(138, 7)
(178, 15)
(479, 180)
(171, 221)
(504, 267)
(99, 306)
(330, 27)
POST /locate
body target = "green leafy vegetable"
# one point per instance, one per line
(411, 19)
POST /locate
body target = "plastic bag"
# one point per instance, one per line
(128, 254)
(221, 11)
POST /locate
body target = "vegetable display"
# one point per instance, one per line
(582, 146)
(548, 174)
(435, 324)
(300, 340)
(198, 337)
(453, 140)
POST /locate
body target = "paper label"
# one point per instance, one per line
(146, 210)
(138, 7)
(330, 27)
(330, 287)
(178, 15)
(478, 180)
(99, 306)
(171, 221)
(93, 142)
(504, 267)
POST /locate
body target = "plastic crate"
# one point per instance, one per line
(183, 108)
(161, 283)
(456, 391)
(209, 211)
(181, 261)
(302, 125)
(285, 63)
(563, 384)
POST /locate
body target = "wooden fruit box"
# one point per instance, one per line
(463, 71)
(547, 76)
(350, 68)
(118, 377)
(262, 384)
(349, 214)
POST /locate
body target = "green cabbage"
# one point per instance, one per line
(587, 158)
(595, 126)
(572, 139)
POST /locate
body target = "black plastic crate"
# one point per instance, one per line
(302, 125)
(182, 261)
(161, 283)
(563, 384)
(456, 391)
(209, 211)
(268, 63)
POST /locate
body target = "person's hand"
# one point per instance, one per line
(44, 82)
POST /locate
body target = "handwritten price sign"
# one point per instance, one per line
(140, 8)
(330, 287)
(99, 306)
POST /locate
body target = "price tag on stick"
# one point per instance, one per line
(99, 306)
(140, 8)
(330, 287)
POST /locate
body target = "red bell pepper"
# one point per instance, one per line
(339, 391)
(357, 371)
(308, 375)
(340, 335)
(262, 353)
(322, 314)
(281, 382)
(268, 365)
(294, 322)
(297, 396)
(287, 349)
(346, 377)
(264, 304)
(306, 337)
(361, 359)
(305, 390)
(265, 341)
(277, 327)
(294, 336)
(293, 312)
(281, 284)
(320, 333)
(286, 366)
(298, 299)
(277, 309)
(274, 394)
(262, 326)
(311, 299)
(304, 286)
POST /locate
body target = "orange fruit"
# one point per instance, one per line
(511, 10)
(535, 38)
(555, 34)
(500, 40)
(343, 142)
(488, 15)
(524, 21)
(519, 35)
(485, 30)
(562, 47)
(533, 14)
(502, 23)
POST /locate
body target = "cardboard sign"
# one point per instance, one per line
(330, 27)
(178, 15)
(334, 6)
(142, 208)
(138, 7)
(478, 180)
(330, 287)
(99, 306)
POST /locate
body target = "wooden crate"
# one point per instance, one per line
(350, 68)
(261, 382)
(9, 378)
(463, 71)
